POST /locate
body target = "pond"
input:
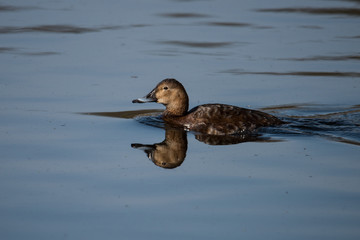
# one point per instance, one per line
(79, 160)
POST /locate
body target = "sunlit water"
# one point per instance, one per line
(80, 161)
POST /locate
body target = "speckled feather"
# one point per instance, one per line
(222, 119)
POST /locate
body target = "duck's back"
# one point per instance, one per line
(222, 119)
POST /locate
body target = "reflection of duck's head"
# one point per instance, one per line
(168, 154)
(212, 119)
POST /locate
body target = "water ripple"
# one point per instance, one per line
(325, 58)
(198, 44)
(295, 73)
(17, 51)
(64, 28)
(183, 15)
(340, 124)
(10, 8)
(320, 11)
(229, 24)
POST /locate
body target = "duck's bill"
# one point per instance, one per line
(150, 97)
(148, 149)
(143, 100)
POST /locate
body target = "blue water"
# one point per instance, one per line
(69, 168)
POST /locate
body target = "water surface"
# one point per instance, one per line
(80, 161)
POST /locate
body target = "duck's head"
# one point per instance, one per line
(170, 93)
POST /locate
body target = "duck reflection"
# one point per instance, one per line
(230, 139)
(171, 152)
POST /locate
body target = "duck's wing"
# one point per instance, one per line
(227, 119)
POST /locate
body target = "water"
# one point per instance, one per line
(75, 152)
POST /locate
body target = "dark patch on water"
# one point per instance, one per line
(319, 11)
(349, 37)
(198, 44)
(183, 15)
(190, 0)
(64, 29)
(10, 8)
(177, 52)
(355, 1)
(229, 24)
(48, 53)
(297, 73)
(7, 49)
(311, 27)
(232, 25)
(325, 58)
(17, 51)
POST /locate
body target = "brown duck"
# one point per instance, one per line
(212, 119)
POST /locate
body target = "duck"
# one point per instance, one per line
(210, 119)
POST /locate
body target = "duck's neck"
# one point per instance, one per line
(178, 107)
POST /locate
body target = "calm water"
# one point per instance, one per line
(74, 158)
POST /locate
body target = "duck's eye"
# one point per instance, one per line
(166, 88)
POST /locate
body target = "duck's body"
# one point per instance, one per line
(222, 119)
(213, 119)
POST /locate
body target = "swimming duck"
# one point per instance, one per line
(212, 119)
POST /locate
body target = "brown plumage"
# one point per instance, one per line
(213, 119)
